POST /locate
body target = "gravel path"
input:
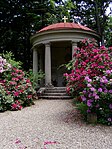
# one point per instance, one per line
(51, 124)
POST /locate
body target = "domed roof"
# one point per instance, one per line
(67, 25)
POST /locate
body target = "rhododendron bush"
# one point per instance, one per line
(97, 96)
(15, 88)
(88, 60)
(90, 80)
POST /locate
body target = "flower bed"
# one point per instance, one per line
(92, 64)
(97, 96)
(16, 89)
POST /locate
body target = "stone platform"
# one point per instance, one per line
(53, 93)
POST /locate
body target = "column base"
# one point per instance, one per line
(49, 85)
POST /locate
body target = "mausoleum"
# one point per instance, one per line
(54, 45)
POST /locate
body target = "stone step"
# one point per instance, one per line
(55, 94)
(55, 91)
(55, 97)
(57, 88)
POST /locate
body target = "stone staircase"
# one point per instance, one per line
(53, 93)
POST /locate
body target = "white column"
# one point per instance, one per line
(35, 60)
(47, 64)
(74, 45)
(41, 62)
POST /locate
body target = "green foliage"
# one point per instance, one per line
(91, 13)
(9, 56)
(90, 81)
(69, 66)
(35, 78)
(5, 99)
(82, 108)
(16, 90)
(89, 60)
(21, 19)
(108, 32)
(97, 96)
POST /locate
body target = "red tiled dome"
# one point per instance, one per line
(59, 26)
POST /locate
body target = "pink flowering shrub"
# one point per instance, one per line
(90, 80)
(4, 66)
(97, 96)
(15, 85)
(89, 60)
(5, 99)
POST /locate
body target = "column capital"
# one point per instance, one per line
(34, 48)
(47, 44)
(74, 43)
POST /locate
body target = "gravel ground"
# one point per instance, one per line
(51, 124)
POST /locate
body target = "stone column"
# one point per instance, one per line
(41, 62)
(74, 45)
(47, 64)
(41, 67)
(35, 60)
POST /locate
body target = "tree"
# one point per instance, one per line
(60, 9)
(15, 28)
(93, 14)
(19, 19)
(108, 32)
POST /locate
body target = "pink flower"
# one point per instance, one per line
(105, 91)
(95, 50)
(17, 70)
(68, 89)
(15, 79)
(110, 119)
(83, 63)
(8, 92)
(28, 81)
(17, 141)
(100, 90)
(110, 106)
(97, 106)
(89, 103)
(65, 74)
(14, 106)
(88, 85)
(1, 69)
(29, 96)
(110, 48)
(20, 107)
(101, 67)
(108, 72)
(93, 89)
(13, 83)
(72, 79)
(20, 77)
(97, 97)
(83, 98)
(17, 102)
(102, 47)
(90, 45)
(87, 78)
(16, 94)
(110, 91)
(16, 87)
(84, 72)
(21, 91)
(49, 142)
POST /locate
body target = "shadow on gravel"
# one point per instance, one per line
(70, 117)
